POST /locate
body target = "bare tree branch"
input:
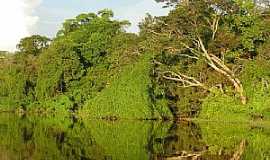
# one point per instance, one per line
(223, 69)
(186, 81)
(221, 64)
(214, 26)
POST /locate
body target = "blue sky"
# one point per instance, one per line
(52, 13)
(21, 18)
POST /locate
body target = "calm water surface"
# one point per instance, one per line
(61, 138)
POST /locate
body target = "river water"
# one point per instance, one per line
(69, 138)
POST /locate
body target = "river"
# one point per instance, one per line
(69, 138)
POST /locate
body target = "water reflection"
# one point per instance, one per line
(56, 138)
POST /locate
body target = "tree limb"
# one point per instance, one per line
(186, 81)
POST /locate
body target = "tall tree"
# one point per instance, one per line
(209, 32)
(80, 50)
(33, 45)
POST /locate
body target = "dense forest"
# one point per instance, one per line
(205, 59)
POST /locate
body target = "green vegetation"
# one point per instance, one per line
(211, 59)
(127, 95)
(255, 77)
(205, 59)
(94, 83)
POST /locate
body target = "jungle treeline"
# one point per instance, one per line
(205, 59)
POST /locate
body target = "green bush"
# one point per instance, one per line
(255, 77)
(127, 96)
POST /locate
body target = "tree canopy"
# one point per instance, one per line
(202, 55)
(33, 45)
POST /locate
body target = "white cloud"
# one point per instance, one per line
(17, 21)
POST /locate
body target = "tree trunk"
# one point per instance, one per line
(215, 62)
(240, 90)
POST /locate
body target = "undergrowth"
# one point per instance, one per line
(127, 96)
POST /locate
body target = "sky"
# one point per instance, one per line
(22, 18)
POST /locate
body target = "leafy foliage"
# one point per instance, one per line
(90, 52)
(206, 58)
(33, 45)
(127, 96)
(204, 46)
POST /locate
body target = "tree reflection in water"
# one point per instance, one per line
(51, 138)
